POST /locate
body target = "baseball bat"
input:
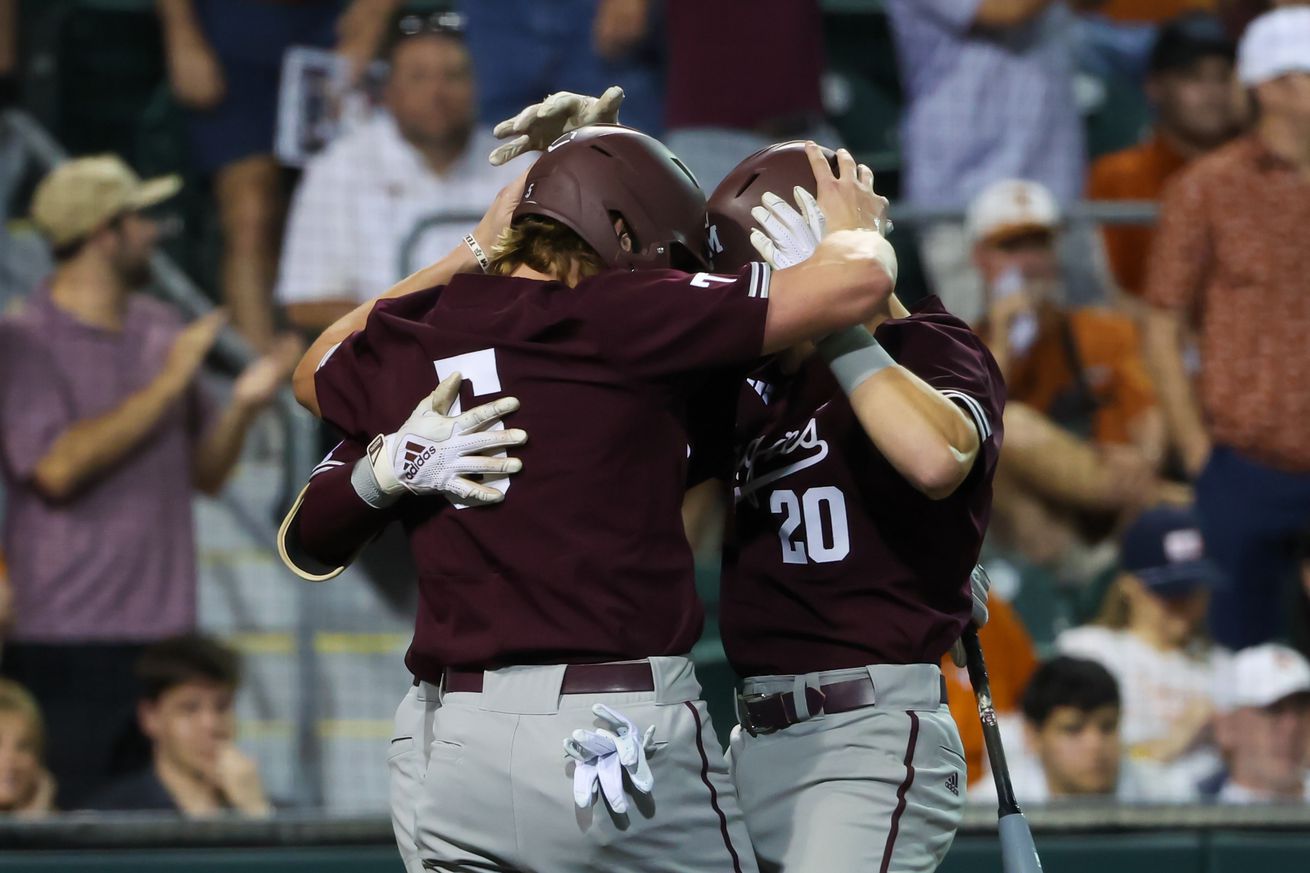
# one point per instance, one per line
(1018, 851)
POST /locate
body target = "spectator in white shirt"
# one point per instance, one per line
(395, 194)
(1151, 636)
(1264, 730)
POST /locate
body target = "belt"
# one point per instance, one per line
(578, 679)
(768, 713)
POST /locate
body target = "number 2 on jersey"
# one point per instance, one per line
(479, 370)
(807, 512)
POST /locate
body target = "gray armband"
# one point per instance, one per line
(366, 486)
(854, 355)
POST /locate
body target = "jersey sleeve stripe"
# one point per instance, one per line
(753, 286)
(975, 410)
(323, 360)
(765, 277)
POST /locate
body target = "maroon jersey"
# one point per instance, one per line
(834, 559)
(586, 559)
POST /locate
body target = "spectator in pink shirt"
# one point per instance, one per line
(104, 432)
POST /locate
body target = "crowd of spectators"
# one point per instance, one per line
(1154, 465)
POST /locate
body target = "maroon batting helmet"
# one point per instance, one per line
(596, 174)
(777, 169)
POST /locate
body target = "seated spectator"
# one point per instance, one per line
(1151, 636)
(105, 435)
(1080, 366)
(1069, 745)
(1264, 730)
(26, 786)
(394, 194)
(1011, 660)
(188, 711)
(1075, 369)
(1191, 86)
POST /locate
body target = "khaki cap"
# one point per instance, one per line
(78, 196)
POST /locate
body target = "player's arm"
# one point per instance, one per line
(923, 433)
(849, 277)
(330, 523)
(460, 260)
(350, 494)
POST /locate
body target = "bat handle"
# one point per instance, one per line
(977, 668)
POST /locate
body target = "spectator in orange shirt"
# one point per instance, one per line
(1191, 85)
(1011, 660)
(1088, 438)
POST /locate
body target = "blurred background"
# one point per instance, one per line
(1110, 192)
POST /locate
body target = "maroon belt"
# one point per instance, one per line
(578, 679)
(767, 713)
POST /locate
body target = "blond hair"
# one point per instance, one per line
(17, 699)
(547, 246)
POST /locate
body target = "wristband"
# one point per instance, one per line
(483, 261)
(854, 355)
(365, 483)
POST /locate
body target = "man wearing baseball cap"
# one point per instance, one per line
(1090, 435)
(1265, 729)
(104, 433)
(1190, 85)
(1230, 261)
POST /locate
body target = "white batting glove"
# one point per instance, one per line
(632, 745)
(602, 757)
(539, 125)
(432, 452)
(596, 769)
(980, 587)
(786, 237)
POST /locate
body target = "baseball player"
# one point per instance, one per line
(561, 614)
(862, 492)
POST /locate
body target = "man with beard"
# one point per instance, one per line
(104, 433)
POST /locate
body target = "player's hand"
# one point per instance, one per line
(258, 383)
(786, 237)
(237, 778)
(980, 586)
(498, 216)
(192, 345)
(195, 74)
(847, 200)
(539, 125)
(433, 453)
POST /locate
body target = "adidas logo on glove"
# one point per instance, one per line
(416, 455)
